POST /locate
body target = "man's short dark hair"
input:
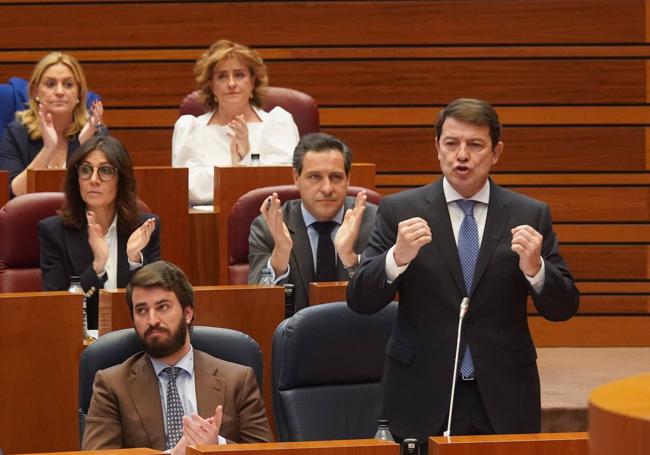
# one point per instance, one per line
(476, 112)
(165, 275)
(320, 142)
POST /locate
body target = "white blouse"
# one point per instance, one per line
(200, 147)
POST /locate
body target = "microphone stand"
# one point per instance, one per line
(463, 309)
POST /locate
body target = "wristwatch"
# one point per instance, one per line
(353, 268)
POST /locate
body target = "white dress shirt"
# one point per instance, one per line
(110, 268)
(200, 147)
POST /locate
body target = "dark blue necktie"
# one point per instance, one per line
(468, 247)
(325, 254)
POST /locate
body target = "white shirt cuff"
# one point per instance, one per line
(275, 279)
(537, 282)
(136, 265)
(391, 267)
(221, 440)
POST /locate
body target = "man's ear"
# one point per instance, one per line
(496, 152)
(188, 312)
(295, 175)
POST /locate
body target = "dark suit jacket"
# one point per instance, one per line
(301, 261)
(65, 252)
(125, 409)
(17, 150)
(420, 353)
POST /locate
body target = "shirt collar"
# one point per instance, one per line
(186, 363)
(310, 219)
(112, 227)
(451, 195)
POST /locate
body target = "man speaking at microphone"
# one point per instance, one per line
(463, 236)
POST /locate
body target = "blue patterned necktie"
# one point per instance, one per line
(174, 409)
(468, 248)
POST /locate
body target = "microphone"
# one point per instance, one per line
(464, 304)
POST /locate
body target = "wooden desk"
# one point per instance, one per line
(4, 188)
(521, 444)
(327, 292)
(346, 447)
(619, 417)
(138, 451)
(40, 343)
(254, 310)
(231, 182)
(163, 189)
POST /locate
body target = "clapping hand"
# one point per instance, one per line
(347, 234)
(271, 211)
(46, 125)
(239, 145)
(140, 239)
(94, 122)
(199, 431)
(97, 242)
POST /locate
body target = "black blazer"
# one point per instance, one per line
(17, 150)
(420, 353)
(65, 252)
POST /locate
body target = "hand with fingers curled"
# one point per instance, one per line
(239, 144)
(271, 211)
(139, 239)
(527, 243)
(95, 121)
(347, 234)
(97, 242)
(412, 234)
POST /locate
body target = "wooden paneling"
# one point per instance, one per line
(527, 149)
(40, 341)
(322, 23)
(592, 331)
(385, 82)
(147, 147)
(165, 191)
(396, 52)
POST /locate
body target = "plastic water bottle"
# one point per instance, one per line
(267, 277)
(75, 288)
(383, 431)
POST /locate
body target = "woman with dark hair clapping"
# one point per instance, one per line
(99, 235)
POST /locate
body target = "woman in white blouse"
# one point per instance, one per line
(232, 80)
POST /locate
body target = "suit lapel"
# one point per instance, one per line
(146, 400)
(497, 220)
(437, 215)
(301, 251)
(122, 260)
(79, 252)
(210, 390)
